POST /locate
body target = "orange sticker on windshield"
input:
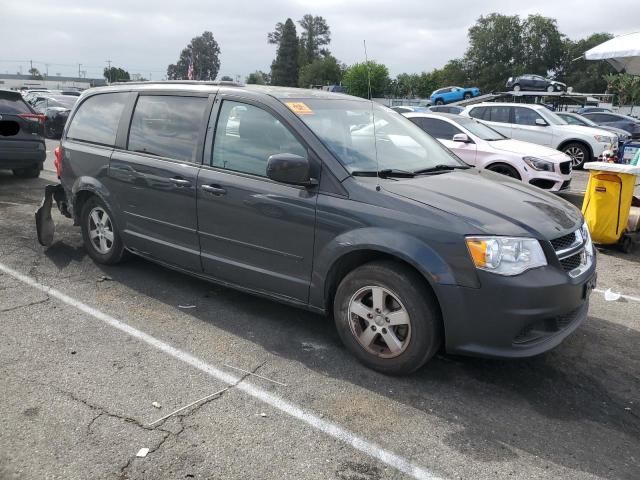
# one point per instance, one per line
(299, 108)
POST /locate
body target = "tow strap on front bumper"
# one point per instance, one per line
(45, 225)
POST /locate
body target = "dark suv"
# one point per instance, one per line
(22, 147)
(330, 203)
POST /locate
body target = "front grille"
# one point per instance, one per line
(569, 263)
(542, 183)
(565, 167)
(563, 242)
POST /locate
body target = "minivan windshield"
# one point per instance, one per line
(346, 128)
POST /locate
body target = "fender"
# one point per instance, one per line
(403, 246)
(88, 184)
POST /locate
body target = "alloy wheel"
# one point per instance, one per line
(379, 321)
(577, 156)
(100, 230)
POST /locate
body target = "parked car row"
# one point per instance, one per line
(333, 204)
(54, 106)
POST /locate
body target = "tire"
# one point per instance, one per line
(467, 96)
(504, 169)
(92, 215)
(403, 294)
(516, 87)
(29, 172)
(48, 131)
(578, 152)
(439, 101)
(551, 89)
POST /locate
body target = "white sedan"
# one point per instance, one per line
(483, 147)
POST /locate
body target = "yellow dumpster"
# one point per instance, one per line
(607, 201)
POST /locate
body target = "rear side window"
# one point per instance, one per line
(96, 120)
(439, 128)
(500, 114)
(167, 126)
(12, 103)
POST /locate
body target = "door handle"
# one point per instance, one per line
(180, 182)
(214, 189)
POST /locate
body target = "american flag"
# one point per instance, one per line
(190, 70)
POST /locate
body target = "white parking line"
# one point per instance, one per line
(333, 429)
(627, 297)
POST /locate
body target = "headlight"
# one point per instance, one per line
(588, 244)
(506, 255)
(603, 139)
(539, 164)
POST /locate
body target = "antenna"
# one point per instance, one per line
(373, 116)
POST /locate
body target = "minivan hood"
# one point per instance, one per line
(491, 203)
(528, 149)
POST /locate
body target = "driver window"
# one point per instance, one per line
(246, 136)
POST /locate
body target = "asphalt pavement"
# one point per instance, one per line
(82, 365)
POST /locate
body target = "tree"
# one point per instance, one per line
(116, 74)
(543, 44)
(204, 52)
(626, 86)
(258, 78)
(315, 35)
(284, 69)
(35, 73)
(356, 79)
(584, 75)
(322, 71)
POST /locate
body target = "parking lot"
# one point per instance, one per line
(82, 365)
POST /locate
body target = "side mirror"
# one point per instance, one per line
(541, 123)
(462, 138)
(291, 169)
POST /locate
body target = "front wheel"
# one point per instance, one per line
(504, 169)
(467, 96)
(551, 89)
(439, 102)
(100, 234)
(387, 317)
(516, 88)
(578, 153)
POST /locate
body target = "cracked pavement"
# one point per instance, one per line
(76, 395)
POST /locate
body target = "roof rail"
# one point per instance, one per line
(183, 82)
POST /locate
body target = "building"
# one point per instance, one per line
(54, 82)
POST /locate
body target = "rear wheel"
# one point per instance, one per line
(49, 131)
(578, 153)
(467, 96)
(504, 169)
(29, 172)
(387, 317)
(550, 88)
(100, 234)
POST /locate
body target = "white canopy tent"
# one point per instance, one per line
(622, 52)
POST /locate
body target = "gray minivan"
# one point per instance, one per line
(327, 202)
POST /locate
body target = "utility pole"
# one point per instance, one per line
(109, 71)
(30, 66)
(79, 65)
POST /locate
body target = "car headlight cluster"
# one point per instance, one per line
(586, 236)
(539, 164)
(506, 255)
(603, 138)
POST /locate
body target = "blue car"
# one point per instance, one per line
(453, 94)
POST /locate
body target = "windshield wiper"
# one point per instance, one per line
(440, 168)
(384, 173)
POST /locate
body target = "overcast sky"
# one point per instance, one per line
(144, 36)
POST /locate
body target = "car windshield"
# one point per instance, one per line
(551, 117)
(61, 101)
(346, 128)
(482, 131)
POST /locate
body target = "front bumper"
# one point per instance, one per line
(518, 316)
